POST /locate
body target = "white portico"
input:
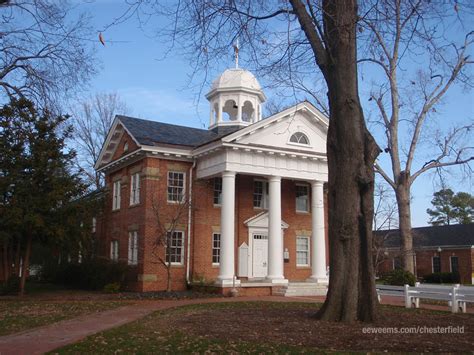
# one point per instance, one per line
(289, 145)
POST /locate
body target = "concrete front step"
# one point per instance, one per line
(301, 289)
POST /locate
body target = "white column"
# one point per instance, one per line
(227, 264)
(318, 240)
(275, 237)
(239, 110)
(219, 111)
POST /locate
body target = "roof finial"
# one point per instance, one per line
(236, 53)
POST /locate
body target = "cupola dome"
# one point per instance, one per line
(235, 98)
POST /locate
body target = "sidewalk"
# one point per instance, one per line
(50, 337)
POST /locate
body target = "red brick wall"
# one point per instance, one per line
(424, 265)
(150, 274)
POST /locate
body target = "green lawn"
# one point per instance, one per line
(16, 316)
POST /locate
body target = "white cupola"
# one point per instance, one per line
(236, 99)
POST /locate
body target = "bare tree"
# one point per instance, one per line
(385, 219)
(91, 126)
(168, 220)
(321, 36)
(421, 51)
(43, 50)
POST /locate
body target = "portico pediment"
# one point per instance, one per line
(261, 221)
(277, 130)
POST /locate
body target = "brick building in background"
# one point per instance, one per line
(252, 190)
(437, 249)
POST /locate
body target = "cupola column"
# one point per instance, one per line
(239, 109)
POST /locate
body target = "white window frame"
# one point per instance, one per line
(307, 238)
(116, 198)
(176, 187)
(133, 248)
(114, 250)
(265, 194)
(307, 197)
(308, 145)
(216, 248)
(181, 255)
(94, 224)
(432, 263)
(217, 193)
(135, 189)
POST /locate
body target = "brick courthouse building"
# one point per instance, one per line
(253, 189)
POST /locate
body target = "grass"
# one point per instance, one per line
(183, 330)
(17, 316)
(151, 335)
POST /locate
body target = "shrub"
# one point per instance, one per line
(113, 287)
(12, 285)
(399, 277)
(442, 277)
(89, 275)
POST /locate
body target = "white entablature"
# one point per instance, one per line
(271, 147)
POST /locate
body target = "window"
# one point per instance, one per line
(114, 250)
(302, 198)
(116, 196)
(175, 186)
(217, 191)
(133, 248)
(397, 263)
(135, 189)
(302, 251)
(299, 138)
(125, 147)
(94, 224)
(175, 253)
(454, 264)
(260, 194)
(436, 264)
(216, 248)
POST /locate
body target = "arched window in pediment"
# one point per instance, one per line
(299, 138)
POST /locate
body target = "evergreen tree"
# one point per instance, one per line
(36, 179)
(451, 207)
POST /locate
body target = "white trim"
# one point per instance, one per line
(167, 186)
(451, 263)
(212, 248)
(132, 248)
(108, 139)
(308, 250)
(116, 195)
(299, 130)
(134, 193)
(432, 263)
(173, 263)
(308, 196)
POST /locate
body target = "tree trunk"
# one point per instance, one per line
(351, 152)
(16, 266)
(26, 264)
(6, 261)
(404, 220)
(168, 281)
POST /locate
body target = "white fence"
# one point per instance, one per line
(457, 296)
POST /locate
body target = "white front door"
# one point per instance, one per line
(260, 255)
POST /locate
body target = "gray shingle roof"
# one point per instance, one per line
(454, 235)
(152, 132)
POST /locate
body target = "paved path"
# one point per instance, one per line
(50, 337)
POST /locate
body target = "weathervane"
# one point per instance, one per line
(236, 53)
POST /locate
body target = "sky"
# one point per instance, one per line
(155, 85)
